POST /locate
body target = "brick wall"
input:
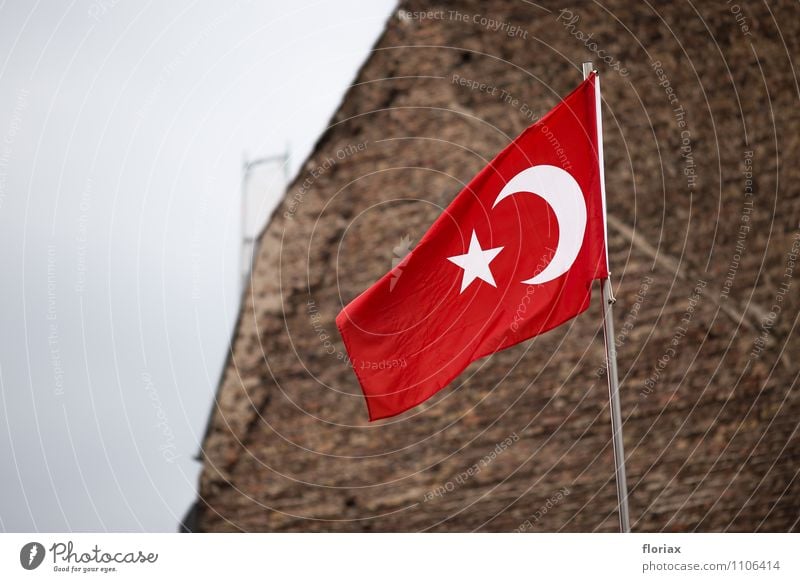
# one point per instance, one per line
(710, 431)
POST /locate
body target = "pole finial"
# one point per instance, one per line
(587, 69)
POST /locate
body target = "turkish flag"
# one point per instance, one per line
(513, 256)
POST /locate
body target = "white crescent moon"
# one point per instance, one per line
(560, 190)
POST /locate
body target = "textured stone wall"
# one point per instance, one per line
(699, 254)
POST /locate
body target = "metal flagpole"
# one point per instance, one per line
(611, 347)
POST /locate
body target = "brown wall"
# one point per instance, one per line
(711, 433)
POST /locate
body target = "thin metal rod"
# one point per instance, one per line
(243, 276)
(616, 411)
(611, 350)
(247, 248)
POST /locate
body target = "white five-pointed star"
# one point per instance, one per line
(476, 263)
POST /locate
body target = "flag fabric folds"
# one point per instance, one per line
(513, 256)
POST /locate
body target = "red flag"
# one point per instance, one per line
(513, 256)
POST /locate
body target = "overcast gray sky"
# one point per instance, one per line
(122, 132)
